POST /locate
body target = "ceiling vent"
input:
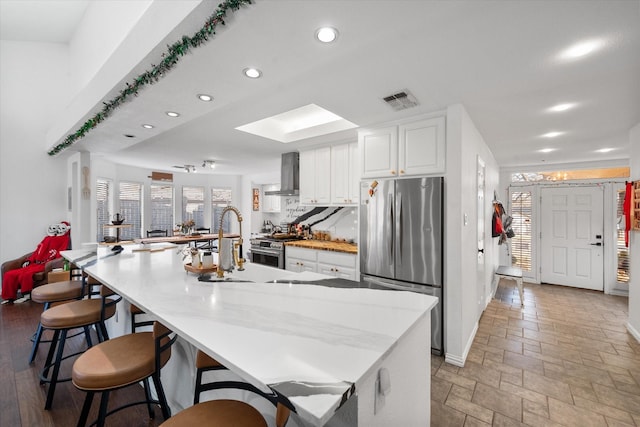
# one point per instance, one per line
(401, 100)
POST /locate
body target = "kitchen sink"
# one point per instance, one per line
(206, 278)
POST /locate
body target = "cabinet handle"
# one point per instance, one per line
(393, 172)
(401, 171)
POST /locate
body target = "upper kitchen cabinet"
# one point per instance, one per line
(345, 174)
(270, 203)
(315, 176)
(411, 148)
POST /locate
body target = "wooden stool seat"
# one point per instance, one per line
(58, 291)
(205, 361)
(76, 314)
(117, 363)
(222, 413)
(512, 273)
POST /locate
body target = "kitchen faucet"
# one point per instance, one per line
(237, 246)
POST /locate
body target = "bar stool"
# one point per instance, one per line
(224, 412)
(121, 362)
(75, 314)
(52, 294)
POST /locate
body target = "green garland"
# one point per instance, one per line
(169, 60)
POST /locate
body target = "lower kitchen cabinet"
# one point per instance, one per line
(337, 264)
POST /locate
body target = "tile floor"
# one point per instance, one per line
(565, 359)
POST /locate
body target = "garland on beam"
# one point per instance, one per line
(169, 59)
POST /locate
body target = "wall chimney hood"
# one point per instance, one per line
(289, 176)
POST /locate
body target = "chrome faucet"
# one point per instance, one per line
(237, 246)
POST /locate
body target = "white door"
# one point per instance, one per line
(571, 251)
(480, 233)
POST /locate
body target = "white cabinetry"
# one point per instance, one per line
(337, 264)
(410, 148)
(331, 263)
(345, 174)
(315, 176)
(270, 203)
(300, 259)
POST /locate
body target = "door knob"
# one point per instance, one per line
(596, 244)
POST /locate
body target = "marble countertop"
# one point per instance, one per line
(291, 337)
(323, 245)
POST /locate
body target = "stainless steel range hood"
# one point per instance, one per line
(289, 176)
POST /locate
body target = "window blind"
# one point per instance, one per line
(193, 205)
(622, 251)
(521, 211)
(130, 197)
(103, 203)
(161, 207)
(220, 199)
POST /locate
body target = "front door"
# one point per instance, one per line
(571, 237)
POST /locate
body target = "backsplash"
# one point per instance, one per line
(340, 222)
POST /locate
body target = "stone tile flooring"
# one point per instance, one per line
(565, 359)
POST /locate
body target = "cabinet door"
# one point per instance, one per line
(378, 152)
(354, 174)
(340, 173)
(421, 147)
(307, 176)
(323, 176)
(337, 271)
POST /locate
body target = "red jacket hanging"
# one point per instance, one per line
(626, 208)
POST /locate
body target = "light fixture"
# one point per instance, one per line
(252, 73)
(326, 34)
(147, 126)
(209, 164)
(190, 168)
(581, 49)
(204, 97)
(552, 134)
(128, 135)
(172, 114)
(546, 150)
(561, 107)
(605, 150)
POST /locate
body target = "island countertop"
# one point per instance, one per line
(312, 344)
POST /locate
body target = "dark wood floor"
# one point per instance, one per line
(21, 395)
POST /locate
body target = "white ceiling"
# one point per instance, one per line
(500, 59)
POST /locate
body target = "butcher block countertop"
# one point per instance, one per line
(325, 245)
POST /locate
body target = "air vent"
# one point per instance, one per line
(401, 100)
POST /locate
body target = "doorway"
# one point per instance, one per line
(571, 238)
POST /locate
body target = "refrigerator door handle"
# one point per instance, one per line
(390, 197)
(400, 232)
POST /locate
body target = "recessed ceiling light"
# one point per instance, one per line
(326, 34)
(147, 126)
(204, 97)
(605, 150)
(128, 135)
(252, 73)
(552, 134)
(581, 49)
(172, 114)
(562, 107)
(546, 150)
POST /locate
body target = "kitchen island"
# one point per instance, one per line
(340, 355)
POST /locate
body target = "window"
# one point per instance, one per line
(521, 212)
(622, 172)
(104, 207)
(130, 196)
(193, 205)
(622, 252)
(161, 207)
(220, 199)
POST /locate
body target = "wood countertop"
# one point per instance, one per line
(325, 245)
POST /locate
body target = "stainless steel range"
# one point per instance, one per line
(270, 250)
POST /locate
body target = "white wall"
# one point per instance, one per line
(634, 244)
(464, 297)
(34, 82)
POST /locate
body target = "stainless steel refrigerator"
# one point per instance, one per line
(401, 239)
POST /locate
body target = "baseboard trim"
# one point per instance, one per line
(457, 360)
(633, 332)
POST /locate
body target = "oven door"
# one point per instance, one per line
(265, 256)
